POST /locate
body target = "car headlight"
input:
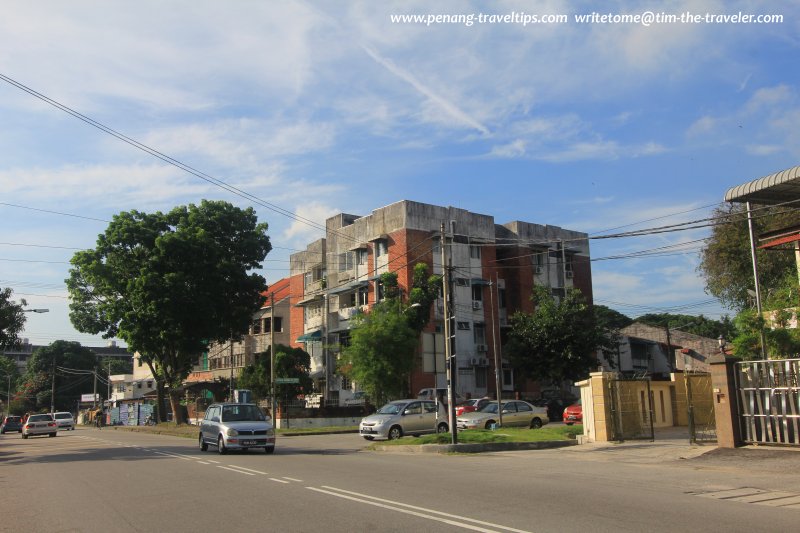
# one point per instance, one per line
(231, 432)
(270, 433)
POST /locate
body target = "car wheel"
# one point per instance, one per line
(52, 435)
(489, 424)
(536, 423)
(442, 428)
(395, 432)
(269, 450)
(221, 449)
(367, 437)
(569, 423)
(203, 445)
(24, 436)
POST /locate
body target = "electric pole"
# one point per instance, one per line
(53, 388)
(272, 357)
(451, 418)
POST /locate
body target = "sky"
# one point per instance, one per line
(328, 107)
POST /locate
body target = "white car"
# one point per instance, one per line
(39, 425)
(64, 420)
(236, 426)
(515, 413)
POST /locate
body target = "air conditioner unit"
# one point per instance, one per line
(539, 269)
(475, 361)
(568, 273)
(477, 305)
(483, 361)
(480, 347)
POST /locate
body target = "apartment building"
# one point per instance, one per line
(226, 360)
(494, 269)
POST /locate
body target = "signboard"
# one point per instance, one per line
(90, 397)
(286, 381)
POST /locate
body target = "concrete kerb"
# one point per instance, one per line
(476, 447)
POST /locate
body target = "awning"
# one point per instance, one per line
(777, 188)
(480, 281)
(381, 237)
(309, 299)
(783, 240)
(310, 337)
(349, 287)
(359, 246)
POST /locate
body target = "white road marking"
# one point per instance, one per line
(279, 480)
(293, 479)
(176, 456)
(249, 469)
(234, 470)
(421, 512)
(214, 462)
(203, 463)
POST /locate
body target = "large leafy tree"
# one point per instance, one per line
(380, 357)
(8, 380)
(781, 341)
(425, 289)
(12, 319)
(611, 319)
(170, 283)
(698, 325)
(726, 261)
(289, 363)
(71, 364)
(558, 340)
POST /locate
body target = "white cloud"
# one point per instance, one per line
(300, 230)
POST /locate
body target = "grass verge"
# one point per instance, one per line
(480, 436)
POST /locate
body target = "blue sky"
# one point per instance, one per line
(323, 107)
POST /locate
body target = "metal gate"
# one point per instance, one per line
(769, 401)
(700, 402)
(631, 409)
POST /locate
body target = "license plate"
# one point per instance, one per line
(572, 417)
(249, 442)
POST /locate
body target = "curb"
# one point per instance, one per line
(477, 447)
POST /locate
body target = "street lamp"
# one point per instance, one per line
(35, 310)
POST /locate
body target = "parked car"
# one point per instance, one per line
(11, 423)
(431, 394)
(236, 426)
(39, 425)
(573, 414)
(404, 417)
(64, 420)
(468, 406)
(515, 413)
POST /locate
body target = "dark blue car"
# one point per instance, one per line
(11, 423)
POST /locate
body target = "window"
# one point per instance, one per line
(346, 383)
(346, 261)
(363, 296)
(381, 247)
(501, 298)
(278, 325)
(149, 384)
(363, 256)
(138, 384)
(477, 293)
(462, 282)
(463, 325)
(479, 333)
(256, 326)
(475, 252)
(120, 387)
(436, 248)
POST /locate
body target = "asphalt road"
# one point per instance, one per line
(104, 480)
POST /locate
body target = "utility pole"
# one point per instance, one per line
(272, 356)
(497, 381)
(94, 396)
(451, 418)
(108, 384)
(53, 388)
(756, 280)
(230, 362)
(670, 352)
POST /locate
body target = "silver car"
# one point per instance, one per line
(236, 426)
(404, 417)
(64, 420)
(515, 413)
(39, 425)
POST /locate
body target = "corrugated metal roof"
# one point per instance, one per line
(778, 188)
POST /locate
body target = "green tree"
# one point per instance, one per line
(781, 342)
(610, 319)
(425, 289)
(8, 381)
(12, 320)
(380, 357)
(70, 361)
(559, 340)
(726, 261)
(697, 325)
(289, 363)
(170, 283)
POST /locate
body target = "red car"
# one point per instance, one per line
(469, 406)
(573, 414)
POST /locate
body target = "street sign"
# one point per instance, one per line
(285, 381)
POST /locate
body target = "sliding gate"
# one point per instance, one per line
(769, 401)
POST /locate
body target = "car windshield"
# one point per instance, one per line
(241, 413)
(13, 418)
(391, 409)
(489, 408)
(63, 415)
(39, 418)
